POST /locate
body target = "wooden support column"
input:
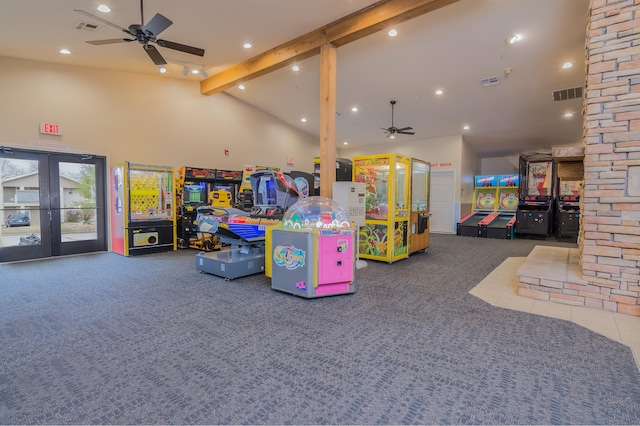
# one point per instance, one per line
(328, 72)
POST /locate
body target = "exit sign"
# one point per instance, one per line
(50, 129)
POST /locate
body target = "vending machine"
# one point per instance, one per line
(420, 187)
(142, 209)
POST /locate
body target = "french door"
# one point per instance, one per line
(51, 204)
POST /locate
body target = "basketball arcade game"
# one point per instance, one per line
(273, 194)
(500, 224)
(537, 192)
(142, 209)
(485, 199)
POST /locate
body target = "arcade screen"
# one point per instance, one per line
(540, 178)
(267, 192)
(195, 192)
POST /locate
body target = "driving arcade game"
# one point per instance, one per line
(244, 231)
(500, 224)
(485, 200)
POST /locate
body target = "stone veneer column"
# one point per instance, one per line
(610, 228)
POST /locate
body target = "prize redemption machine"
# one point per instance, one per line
(201, 187)
(420, 181)
(313, 251)
(485, 202)
(142, 209)
(500, 224)
(387, 178)
(245, 231)
(537, 192)
(570, 182)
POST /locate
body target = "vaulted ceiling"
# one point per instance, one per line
(452, 49)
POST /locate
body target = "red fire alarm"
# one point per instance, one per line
(226, 152)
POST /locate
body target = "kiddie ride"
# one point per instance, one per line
(244, 231)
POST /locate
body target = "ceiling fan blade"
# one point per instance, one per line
(156, 25)
(405, 128)
(406, 133)
(104, 21)
(109, 41)
(153, 53)
(181, 47)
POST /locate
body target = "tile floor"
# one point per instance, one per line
(500, 287)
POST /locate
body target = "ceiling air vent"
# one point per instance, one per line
(491, 81)
(563, 95)
(92, 28)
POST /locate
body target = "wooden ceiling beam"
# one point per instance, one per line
(362, 23)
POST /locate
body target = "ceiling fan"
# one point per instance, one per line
(145, 34)
(392, 131)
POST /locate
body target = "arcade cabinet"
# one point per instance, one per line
(142, 209)
(197, 187)
(485, 201)
(420, 185)
(534, 215)
(570, 182)
(344, 171)
(313, 251)
(387, 178)
(500, 224)
(273, 193)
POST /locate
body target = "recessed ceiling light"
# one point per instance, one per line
(295, 68)
(466, 127)
(345, 143)
(514, 38)
(104, 8)
(439, 92)
(195, 72)
(247, 45)
(568, 114)
(241, 86)
(567, 65)
(162, 70)
(392, 33)
(354, 109)
(65, 51)
(304, 120)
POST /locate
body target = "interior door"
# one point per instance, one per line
(442, 202)
(51, 204)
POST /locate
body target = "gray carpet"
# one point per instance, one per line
(149, 340)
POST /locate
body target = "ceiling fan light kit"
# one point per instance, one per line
(145, 34)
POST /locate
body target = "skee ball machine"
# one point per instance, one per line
(485, 201)
(142, 209)
(501, 223)
(385, 235)
(537, 192)
(314, 250)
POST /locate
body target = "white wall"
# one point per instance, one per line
(142, 119)
(500, 165)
